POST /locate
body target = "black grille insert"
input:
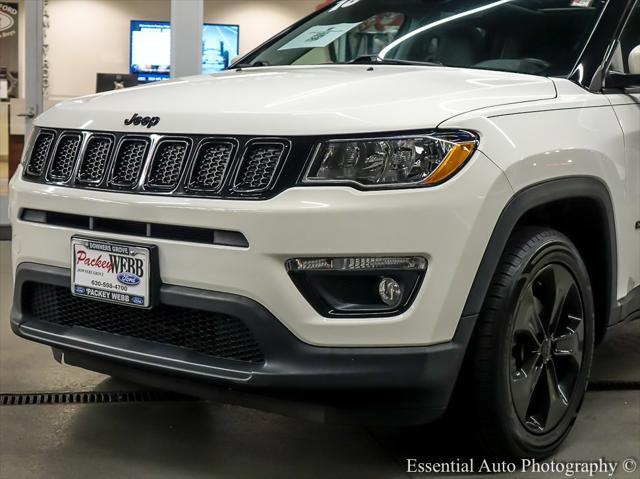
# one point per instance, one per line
(166, 166)
(129, 161)
(259, 166)
(95, 159)
(40, 153)
(211, 164)
(184, 165)
(212, 334)
(64, 158)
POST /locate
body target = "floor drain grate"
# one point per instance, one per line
(27, 399)
(614, 386)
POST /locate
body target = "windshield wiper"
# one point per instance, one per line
(251, 65)
(376, 60)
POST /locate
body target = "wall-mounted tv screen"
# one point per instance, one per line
(151, 48)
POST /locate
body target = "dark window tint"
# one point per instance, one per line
(542, 37)
(629, 42)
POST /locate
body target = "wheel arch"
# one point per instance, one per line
(526, 207)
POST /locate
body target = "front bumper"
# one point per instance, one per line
(424, 375)
(450, 225)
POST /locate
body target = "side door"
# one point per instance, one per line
(626, 104)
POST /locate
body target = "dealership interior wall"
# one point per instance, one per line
(90, 36)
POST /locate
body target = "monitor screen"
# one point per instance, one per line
(151, 48)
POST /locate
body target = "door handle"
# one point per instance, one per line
(30, 113)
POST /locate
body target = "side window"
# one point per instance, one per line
(627, 57)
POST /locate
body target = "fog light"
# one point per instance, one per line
(390, 292)
(364, 286)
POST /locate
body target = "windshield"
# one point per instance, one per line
(541, 37)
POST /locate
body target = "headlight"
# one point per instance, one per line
(407, 161)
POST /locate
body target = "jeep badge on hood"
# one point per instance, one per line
(148, 121)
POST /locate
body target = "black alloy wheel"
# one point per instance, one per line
(547, 348)
(533, 347)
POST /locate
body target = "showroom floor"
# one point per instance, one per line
(176, 438)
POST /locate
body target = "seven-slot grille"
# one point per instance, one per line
(181, 165)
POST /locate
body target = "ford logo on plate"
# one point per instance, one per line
(6, 21)
(129, 279)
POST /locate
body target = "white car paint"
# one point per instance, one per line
(314, 100)
(576, 134)
(530, 128)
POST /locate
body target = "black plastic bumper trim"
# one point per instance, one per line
(291, 366)
(186, 234)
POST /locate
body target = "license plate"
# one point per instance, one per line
(113, 272)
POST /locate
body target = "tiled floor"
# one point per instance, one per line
(199, 439)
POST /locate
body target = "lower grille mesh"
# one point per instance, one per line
(211, 334)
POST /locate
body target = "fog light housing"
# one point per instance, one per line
(358, 286)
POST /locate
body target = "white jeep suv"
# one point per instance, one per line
(386, 202)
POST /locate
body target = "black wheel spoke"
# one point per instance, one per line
(564, 283)
(528, 317)
(558, 400)
(569, 346)
(524, 381)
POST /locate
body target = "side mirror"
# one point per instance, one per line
(622, 81)
(634, 61)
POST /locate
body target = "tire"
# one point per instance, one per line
(533, 347)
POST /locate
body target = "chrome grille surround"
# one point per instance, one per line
(165, 164)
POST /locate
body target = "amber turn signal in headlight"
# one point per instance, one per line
(395, 162)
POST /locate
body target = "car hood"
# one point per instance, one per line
(302, 100)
